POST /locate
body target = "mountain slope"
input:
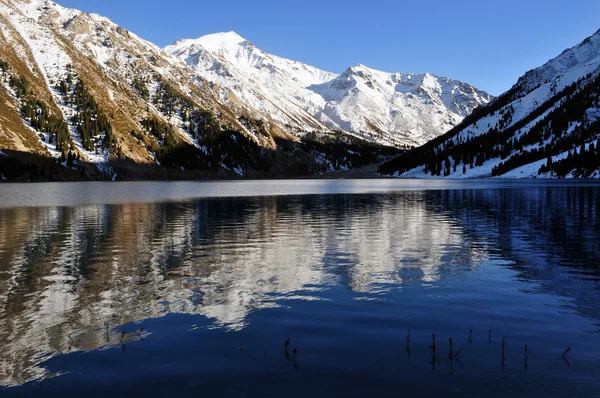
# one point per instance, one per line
(387, 108)
(546, 125)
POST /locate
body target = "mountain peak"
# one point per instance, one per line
(362, 68)
(222, 41)
(359, 70)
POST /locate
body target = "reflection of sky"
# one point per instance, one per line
(66, 273)
(80, 194)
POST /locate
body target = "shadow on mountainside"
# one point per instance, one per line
(291, 159)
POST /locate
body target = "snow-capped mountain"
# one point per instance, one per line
(546, 125)
(81, 97)
(387, 108)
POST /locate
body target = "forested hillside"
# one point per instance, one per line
(547, 125)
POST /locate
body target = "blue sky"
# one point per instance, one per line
(489, 46)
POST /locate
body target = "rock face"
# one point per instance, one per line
(546, 125)
(388, 108)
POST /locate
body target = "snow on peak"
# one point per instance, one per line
(216, 42)
(360, 67)
(220, 41)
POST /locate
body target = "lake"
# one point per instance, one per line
(300, 288)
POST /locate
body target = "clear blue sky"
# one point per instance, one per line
(487, 45)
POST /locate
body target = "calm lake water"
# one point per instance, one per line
(192, 289)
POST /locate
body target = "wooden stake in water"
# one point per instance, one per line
(408, 344)
(433, 356)
(564, 356)
(503, 352)
(470, 340)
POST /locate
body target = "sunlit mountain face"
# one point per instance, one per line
(102, 278)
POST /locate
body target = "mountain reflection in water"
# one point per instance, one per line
(71, 276)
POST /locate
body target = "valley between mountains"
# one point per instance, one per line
(82, 98)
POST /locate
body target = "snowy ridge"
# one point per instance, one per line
(565, 69)
(411, 108)
(388, 108)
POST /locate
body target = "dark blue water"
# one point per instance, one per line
(174, 290)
